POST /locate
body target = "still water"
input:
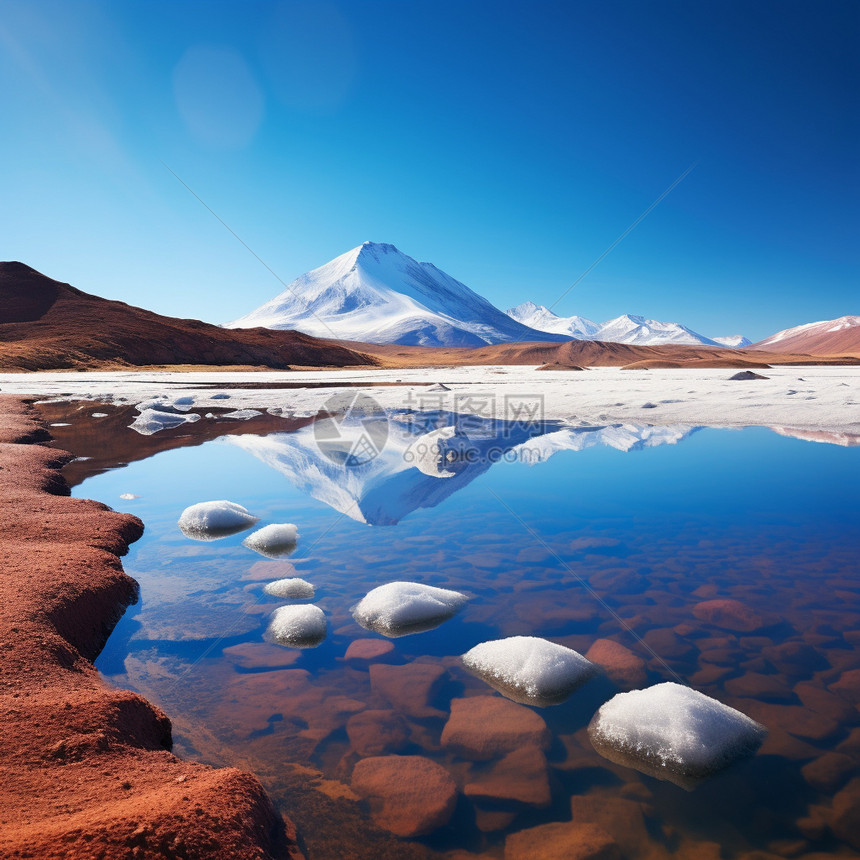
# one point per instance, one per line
(577, 535)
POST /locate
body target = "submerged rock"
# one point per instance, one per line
(408, 795)
(486, 727)
(728, 614)
(529, 669)
(213, 520)
(302, 626)
(673, 733)
(521, 777)
(273, 541)
(623, 667)
(400, 608)
(368, 649)
(562, 840)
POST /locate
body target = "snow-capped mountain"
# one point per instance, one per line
(624, 329)
(831, 337)
(377, 294)
(543, 319)
(735, 341)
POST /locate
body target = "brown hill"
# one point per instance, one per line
(49, 325)
(829, 337)
(588, 353)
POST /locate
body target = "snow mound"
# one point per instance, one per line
(673, 732)
(297, 626)
(747, 374)
(528, 669)
(154, 420)
(400, 608)
(213, 520)
(293, 589)
(273, 541)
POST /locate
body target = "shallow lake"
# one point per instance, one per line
(624, 533)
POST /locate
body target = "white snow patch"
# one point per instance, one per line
(213, 520)
(399, 608)
(529, 669)
(153, 420)
(242, 414)
(292, 588)
(302, 626)
(273, 541)
(673, 732)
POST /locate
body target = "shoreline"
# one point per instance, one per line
(812, 397)
(86, 768)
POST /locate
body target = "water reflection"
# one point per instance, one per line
(658, 535)
(422, 449)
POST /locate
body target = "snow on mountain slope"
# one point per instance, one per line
(624, 329)
(841, 335)
(377, 294)
(543, 319)
(629, 328)
(735, 341)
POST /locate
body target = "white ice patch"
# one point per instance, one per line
(528, 669)
(274, 541)
(399, 608)
(242, 414)
(213, 520)
(293, 589)
(153, 420)
(297, 626)
(673, 732)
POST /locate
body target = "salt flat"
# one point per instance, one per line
(812, 398)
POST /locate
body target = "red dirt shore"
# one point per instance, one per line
(85, 769)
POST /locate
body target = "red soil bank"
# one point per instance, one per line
(85, 769)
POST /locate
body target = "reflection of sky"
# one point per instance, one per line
(750, 514)
(715, 483)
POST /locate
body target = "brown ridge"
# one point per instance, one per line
(86, 770)
(587, 353)
(49, 325)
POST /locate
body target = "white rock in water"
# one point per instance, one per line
(673, 732)
(153, 420)
(399, 608)
(274, 541)
(528, 669)
(297, 626)
(213, 520)
(294, 588)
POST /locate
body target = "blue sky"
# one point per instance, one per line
(508, 143)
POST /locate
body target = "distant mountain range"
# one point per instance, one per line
(377, 294)
(828, 337)
(624, 329)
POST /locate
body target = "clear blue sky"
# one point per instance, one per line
(508, 143)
